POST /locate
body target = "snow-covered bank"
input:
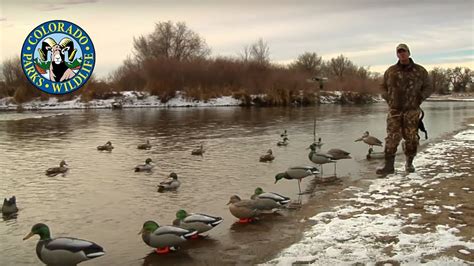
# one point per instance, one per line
(423, 217)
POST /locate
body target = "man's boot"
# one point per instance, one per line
(388, 168)
(409, 168)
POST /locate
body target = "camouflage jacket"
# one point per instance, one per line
(405, 87)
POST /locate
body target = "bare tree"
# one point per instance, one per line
(260, 52)
(170, 40)
(308, 62)
(460, 78)
(245, 53)
(341, 66)
(439, 80)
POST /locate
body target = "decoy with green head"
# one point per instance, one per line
(279, 199)
(164, 238)
(171, 183)
(196, 221)
(146, 167)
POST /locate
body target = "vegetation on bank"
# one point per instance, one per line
(175, 58)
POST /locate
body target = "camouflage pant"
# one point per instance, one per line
(402, 124)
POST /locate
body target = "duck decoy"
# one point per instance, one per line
(162, 238)
(196, 221)
(145, 146)
(338, 154)
(298, 173)
(369, 140)
(375, 155)
(106, 147)
(147, 166)
(279, 199)
(62, 250)
(9, 206)
(171, 183)
(245, 210)
(267, 157)
(284, 134)
(198, 151)
(57, 170)
(320, 158)
(283, 142)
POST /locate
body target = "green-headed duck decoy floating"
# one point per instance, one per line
(57, 170)
(63, 250)
(320, 158)
(297, 173)
(144, 146)
(370, 140)
(267, 157)
(147, 166)
(9, 206)
(171, 183)
(245, 210)
(196, 221)
(106, 147)
(276, 198)
(375, 155)
(283, 142)
(198, 151)
(164, 237)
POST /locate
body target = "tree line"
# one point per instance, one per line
(175, 58)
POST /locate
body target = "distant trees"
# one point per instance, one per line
(439, 80)
(340, 66)
(460, 78)
(257, 52)
(308, 62)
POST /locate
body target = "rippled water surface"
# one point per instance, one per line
(102, 199)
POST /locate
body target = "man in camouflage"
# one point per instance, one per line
(405, 86)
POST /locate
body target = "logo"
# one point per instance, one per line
(58, 57)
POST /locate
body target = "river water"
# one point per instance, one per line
(103, 200)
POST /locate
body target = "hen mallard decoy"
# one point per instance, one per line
(164, 237)
(198, 151)
(196, 221)
(267, 157)
(245, 210)
(145, 146)
(9, 206)
(57, 170)
(106, 147)
(279, 199)
(370, 140)
(297, 173)
(375, 155)
(147, 166)
(63, 250)
(171, 183)
(320, 158)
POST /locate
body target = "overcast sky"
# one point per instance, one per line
(439, 33)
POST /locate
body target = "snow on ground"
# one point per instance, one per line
(371, 228)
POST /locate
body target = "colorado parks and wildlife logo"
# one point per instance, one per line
(58, 57)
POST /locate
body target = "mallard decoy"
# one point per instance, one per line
(320, 157)
(198, 151)
(283, 142)
(338, 154)
(279, 199)
(171, 183)
(196, 221)
(245, 210)
(145, 146)
(267, 157)
(284, 134)
(63, 250)
(9, 206)
(298, 173)
(164, 237)
(318, 144)
(370, 140)
(144, 167)
(375, 155)
(106, 147)
(57, 170)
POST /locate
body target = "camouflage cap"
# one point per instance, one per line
(404, 47)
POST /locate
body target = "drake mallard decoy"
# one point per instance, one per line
(63, 250)
(283, 142)
(338, 154)
(145, 146)
(260, 194)
(196, 221)
(370, 140)
(198, 151)
(375, 155)
(147, 166)
(320, 158)
(267, 157)
(57, 170)
(298, 173)
(9, 206)
(245, 210)
(106, 147)
(164, 237)
(171, 183)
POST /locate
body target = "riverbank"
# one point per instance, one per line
(424, 217)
